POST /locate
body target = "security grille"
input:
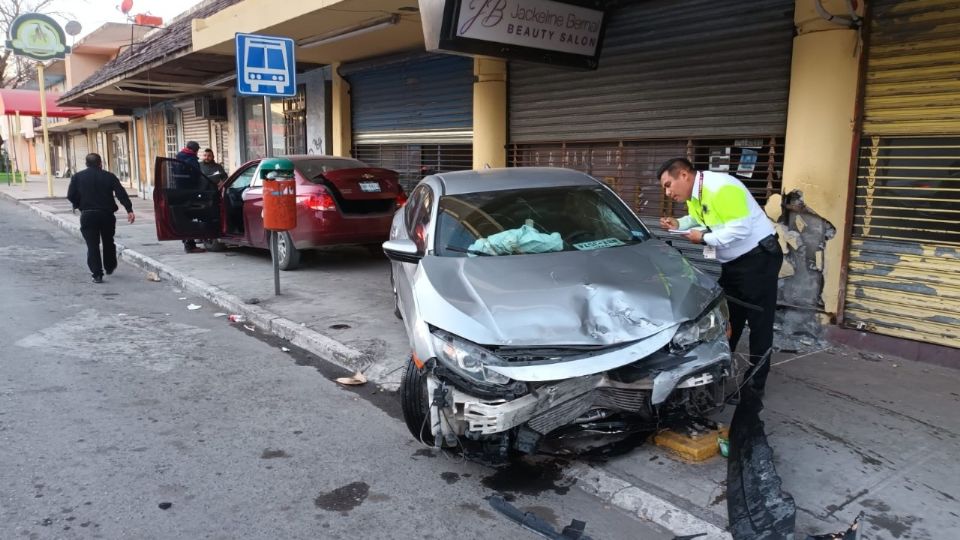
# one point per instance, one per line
(414, 161)
(630, 168)
(295, 122)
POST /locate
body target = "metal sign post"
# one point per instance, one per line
(266, 66)
(40, 38)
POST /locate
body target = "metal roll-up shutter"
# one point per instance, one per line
(195, 128)
(713, 89)
(723, 72)
(903, 272)
(79, 149)
(414, 116)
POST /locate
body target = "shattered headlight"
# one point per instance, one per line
(708, 327)
(466, 358)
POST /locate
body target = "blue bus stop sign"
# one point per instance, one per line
(265, 66)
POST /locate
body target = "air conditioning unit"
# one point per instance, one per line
(211, 108)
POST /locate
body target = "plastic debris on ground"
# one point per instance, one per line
(353, 380)
(193, 307)
(219, 314)
(182, 298)
(153, 276)
(236, 318)
(285, 349)
(250, 327)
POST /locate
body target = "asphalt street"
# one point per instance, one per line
(124, 414)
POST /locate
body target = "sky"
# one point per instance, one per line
(93, 13)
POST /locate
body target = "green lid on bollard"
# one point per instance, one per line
(276, 168)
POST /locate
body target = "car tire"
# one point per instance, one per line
(287, 254)
(214, 246)
(415, 403)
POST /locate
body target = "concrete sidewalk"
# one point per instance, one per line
(852, 431)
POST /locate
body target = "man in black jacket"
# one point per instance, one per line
(92, 191)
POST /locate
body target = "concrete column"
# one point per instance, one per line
(820, 131)
(489, 113)
(342, 129)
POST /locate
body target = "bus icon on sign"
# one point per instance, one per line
(265, 65)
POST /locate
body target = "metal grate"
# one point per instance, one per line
(295, 122)
(414, 161)
(908, 188)
(904, 264)
(630, 168)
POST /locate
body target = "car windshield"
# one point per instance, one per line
(536, 220)
(311, 169)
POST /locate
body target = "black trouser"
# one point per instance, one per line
(99, 226)
(752, 278)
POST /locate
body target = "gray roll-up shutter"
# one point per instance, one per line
(667, 69)
(195, 128)
(426, 99)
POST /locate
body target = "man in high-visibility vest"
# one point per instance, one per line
(724, 217)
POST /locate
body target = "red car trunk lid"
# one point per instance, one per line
(364, 184)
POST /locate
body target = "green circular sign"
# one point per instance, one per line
(38, 37)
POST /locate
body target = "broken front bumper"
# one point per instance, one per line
(637, 388)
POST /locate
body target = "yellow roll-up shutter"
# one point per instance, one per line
(904, 263)
(913, 76)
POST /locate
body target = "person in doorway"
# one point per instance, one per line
(189, 155)
(92, 192)
(724, 217)
(210, 168)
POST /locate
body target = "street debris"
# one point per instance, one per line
(165, 505)
(353, 380)
(536, 524)
(250, 327)
(182, 298)
(756, 505)
(236, 318)
(219, 314)
(194, 307)
(153, 276)
(285, 349)
(253, 300)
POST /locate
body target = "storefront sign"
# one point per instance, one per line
(37, 36)
(537, 30)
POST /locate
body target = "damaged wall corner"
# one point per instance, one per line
(803, 237)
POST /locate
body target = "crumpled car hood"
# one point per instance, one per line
(582, 298)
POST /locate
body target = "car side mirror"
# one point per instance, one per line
(402, 250)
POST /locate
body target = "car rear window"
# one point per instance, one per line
(312, 169)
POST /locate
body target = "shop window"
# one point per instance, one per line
(288, 126)
(414, 161)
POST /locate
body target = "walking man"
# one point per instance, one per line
(724, 217)
(92, 191)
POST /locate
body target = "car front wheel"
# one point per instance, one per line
(415, 402)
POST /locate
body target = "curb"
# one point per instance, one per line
(643, 504)
(597, 482)
(310, 340)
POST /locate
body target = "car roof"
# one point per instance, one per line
(305, 157)
(460, 182)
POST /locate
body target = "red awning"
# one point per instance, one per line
(27, 103)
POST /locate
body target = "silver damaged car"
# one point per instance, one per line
(542, 314)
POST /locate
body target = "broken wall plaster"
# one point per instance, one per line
(804, 237)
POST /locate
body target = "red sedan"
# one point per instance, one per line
(340, 201)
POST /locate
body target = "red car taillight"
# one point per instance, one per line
(401, 199)
(322, 202)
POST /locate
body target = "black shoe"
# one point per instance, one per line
(98, 279)
(110, 271)
(190, 247)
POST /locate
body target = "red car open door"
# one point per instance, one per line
(187, 203)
